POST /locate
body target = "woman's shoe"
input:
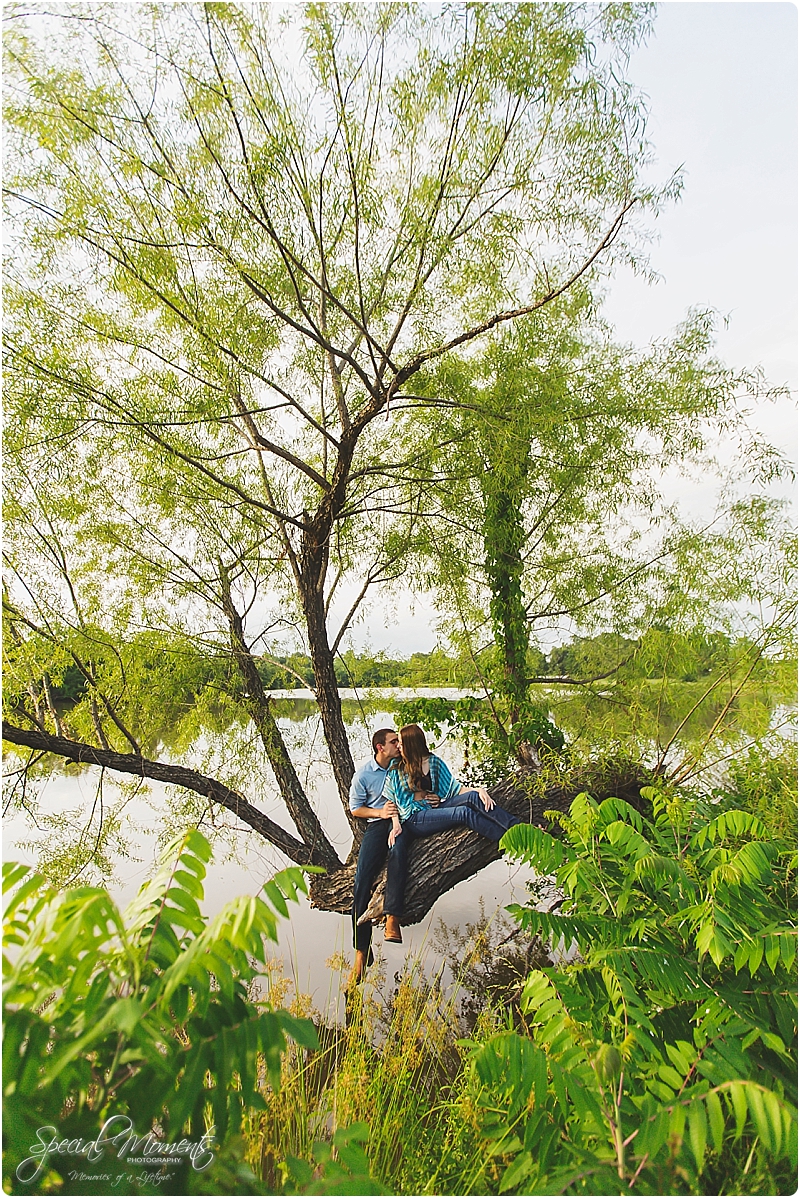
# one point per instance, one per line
(392, 930)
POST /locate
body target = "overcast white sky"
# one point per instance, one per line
(722, 83)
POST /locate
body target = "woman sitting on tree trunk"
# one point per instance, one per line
(430, 800)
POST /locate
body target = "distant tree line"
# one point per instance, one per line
(660, 653)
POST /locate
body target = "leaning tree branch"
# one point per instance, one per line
(568, 680)
(258, 706)
(258, 441)
(160, 771)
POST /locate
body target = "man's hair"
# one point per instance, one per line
(379, 738)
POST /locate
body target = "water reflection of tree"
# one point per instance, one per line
(649, 717)
(489, 961)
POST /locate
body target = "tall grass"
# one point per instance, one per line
(400, 1063)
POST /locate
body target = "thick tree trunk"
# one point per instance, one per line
(328, 700)
(438, 863)
(313, 569)
(258, 705)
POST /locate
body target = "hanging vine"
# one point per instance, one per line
(504, 540)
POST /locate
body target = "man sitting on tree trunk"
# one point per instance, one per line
(366, 802)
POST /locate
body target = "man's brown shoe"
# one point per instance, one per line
(359, 966)
(392, 930)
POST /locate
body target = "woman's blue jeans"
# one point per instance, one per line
(462, 811)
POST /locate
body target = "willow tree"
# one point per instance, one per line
(552, 457)
(238, 234)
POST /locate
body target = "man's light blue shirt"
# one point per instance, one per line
(366, 789)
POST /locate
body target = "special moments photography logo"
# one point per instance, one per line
(117, 1137)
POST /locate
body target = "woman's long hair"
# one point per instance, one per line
(413, 753)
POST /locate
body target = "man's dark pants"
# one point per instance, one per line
(371, 856)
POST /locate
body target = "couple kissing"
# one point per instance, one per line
(404, 792)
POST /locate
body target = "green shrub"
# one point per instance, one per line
(764, 781)
(142, 1017)
(666, 1057)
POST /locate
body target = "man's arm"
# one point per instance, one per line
(385, 812)
(360, 808)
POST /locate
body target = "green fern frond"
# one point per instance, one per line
(618, 809)
(660, 869)
(546, 854)
(625, 838)
(727, 824)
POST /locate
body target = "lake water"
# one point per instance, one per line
(243, 861)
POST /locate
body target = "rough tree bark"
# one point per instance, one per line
(327, 691)
(259, 707)
(311, 574)
(438, 863)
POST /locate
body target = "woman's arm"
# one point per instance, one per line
(395, 788)
(485, 797)
(396, 831)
